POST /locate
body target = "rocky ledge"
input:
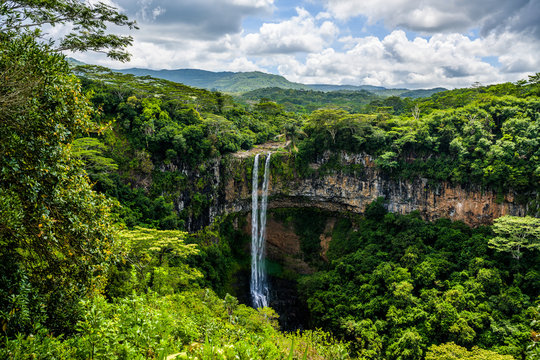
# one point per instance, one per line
(345, 190)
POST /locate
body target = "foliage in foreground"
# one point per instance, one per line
(56, 233)
(166, 314)
(85, 20)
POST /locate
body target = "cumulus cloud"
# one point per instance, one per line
(302, 33)
(450, 60)
(193, 54)
(432, 16)
(519, 16)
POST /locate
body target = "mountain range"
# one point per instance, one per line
(241, 82)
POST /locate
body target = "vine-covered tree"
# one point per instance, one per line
(57, 237)
(55, 231)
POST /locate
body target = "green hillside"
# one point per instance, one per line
(330, 87)
(378, 90)
(191, 77)
(421, 93)
(241, 82)
(231, 82)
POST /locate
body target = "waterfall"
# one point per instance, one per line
(258, 283)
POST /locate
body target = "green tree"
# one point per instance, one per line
(515, 234)
(407, 347)
(55, 231)
(292, 132)
(99, 167)
(451, 351)
(152, 253)
(328, 120)
(88, 22)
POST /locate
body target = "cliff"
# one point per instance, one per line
(355, 184)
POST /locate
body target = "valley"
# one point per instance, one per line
(190, 214)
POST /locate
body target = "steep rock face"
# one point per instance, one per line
(352, 190)
(283, 245)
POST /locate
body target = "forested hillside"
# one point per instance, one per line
(242, 82)
(158, 134)
(486, 135)
(378, 90)
(226, 81)
(109, 248)
(307, 101)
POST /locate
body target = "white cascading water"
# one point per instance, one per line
(258, 283)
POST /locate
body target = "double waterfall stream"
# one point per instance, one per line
(259, 284)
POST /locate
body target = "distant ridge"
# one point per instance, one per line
(242, 82)
(420, 93)
(330, 87)
(226, 81)
(379, 90)
(74, 62)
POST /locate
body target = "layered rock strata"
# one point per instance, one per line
(354, 190)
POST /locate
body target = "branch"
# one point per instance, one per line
(26, 26)
(89, 24)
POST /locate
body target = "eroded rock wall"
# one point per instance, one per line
(346, 190)
(282, 245)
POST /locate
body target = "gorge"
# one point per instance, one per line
(351, 186)
(328, 195)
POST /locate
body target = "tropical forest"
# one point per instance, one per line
(142, 217)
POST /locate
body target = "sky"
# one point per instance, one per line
(390, 43)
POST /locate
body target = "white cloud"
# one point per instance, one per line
(241, 64)
(451, 60)
(432, 16)
(301, 33)
(211, 55)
